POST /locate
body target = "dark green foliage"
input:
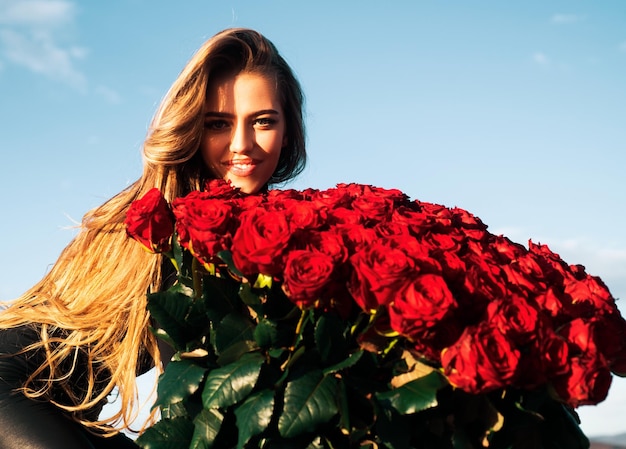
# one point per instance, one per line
(252, 370)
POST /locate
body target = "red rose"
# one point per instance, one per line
(219, 188)
(589, 295)
(395, 195)
(421, 304)
(392, 229)
(380, 272)
(552, 266)
(611, 341)
(149, 220)
(506, 249)
(306, 276)
(329, 242)
(550, 301)
(442, 216)
(433, 340)
(580, 335)
(260, 242)
(426, 217)
(483, 359)
(352, 189)
(446, 248)
(452, 266)
(483, 283)
(554, 353)
(525, 273)
(543, 355)
(345, 216)
(471, 226)
(374, 208)
(283, 195)
(450, 241)
(356, 190)
(331, 198)
(246, 202)
(302, 214)
(203, 224)
(357, 237)
(412, 216)
(586, 383)
(515, 317)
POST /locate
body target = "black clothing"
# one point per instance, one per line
(33, 424)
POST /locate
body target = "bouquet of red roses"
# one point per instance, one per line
(356, 317)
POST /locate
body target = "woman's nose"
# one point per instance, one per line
(241, 139)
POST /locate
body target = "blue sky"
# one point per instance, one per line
(515, 111)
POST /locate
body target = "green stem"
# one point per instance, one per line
(197, 278)
(172, 259)
(300, 322)
(293, 353)
(390, 347)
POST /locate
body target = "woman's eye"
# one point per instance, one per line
(215, 125)
(265, 121)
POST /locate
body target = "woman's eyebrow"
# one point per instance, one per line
(229, 115)
(267, 111)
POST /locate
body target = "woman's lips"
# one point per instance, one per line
(241, 167)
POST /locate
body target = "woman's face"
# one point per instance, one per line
(244, 130)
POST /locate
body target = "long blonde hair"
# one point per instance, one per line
(93, 300)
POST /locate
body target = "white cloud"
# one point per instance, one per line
(36, 12)
(607, 259)
(541, 58)
(39, 53)
(30, 34)
(110, 95)
(566, 18)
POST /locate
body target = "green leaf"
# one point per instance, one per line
(178, 315)
(394, 430)
(316, 444)
(167, 434)
(304, 442)
(207, 426)
(179, 381)
(178, 253)
(162, 335)
(227, 257)
(254, 415)
(171, 309)
(560, 429)
(249, 296)
(236, 351)
(232, 329)
(343, 407)
(414, 396)
(220, 296)
(309, 401)
(174, 410)
(329, 338)
(266, 333)
(230, 384)
(460, 440)
(347, 363)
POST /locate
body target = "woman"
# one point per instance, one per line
(235, 112)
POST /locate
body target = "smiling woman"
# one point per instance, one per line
(234, 113)
(244, 130)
